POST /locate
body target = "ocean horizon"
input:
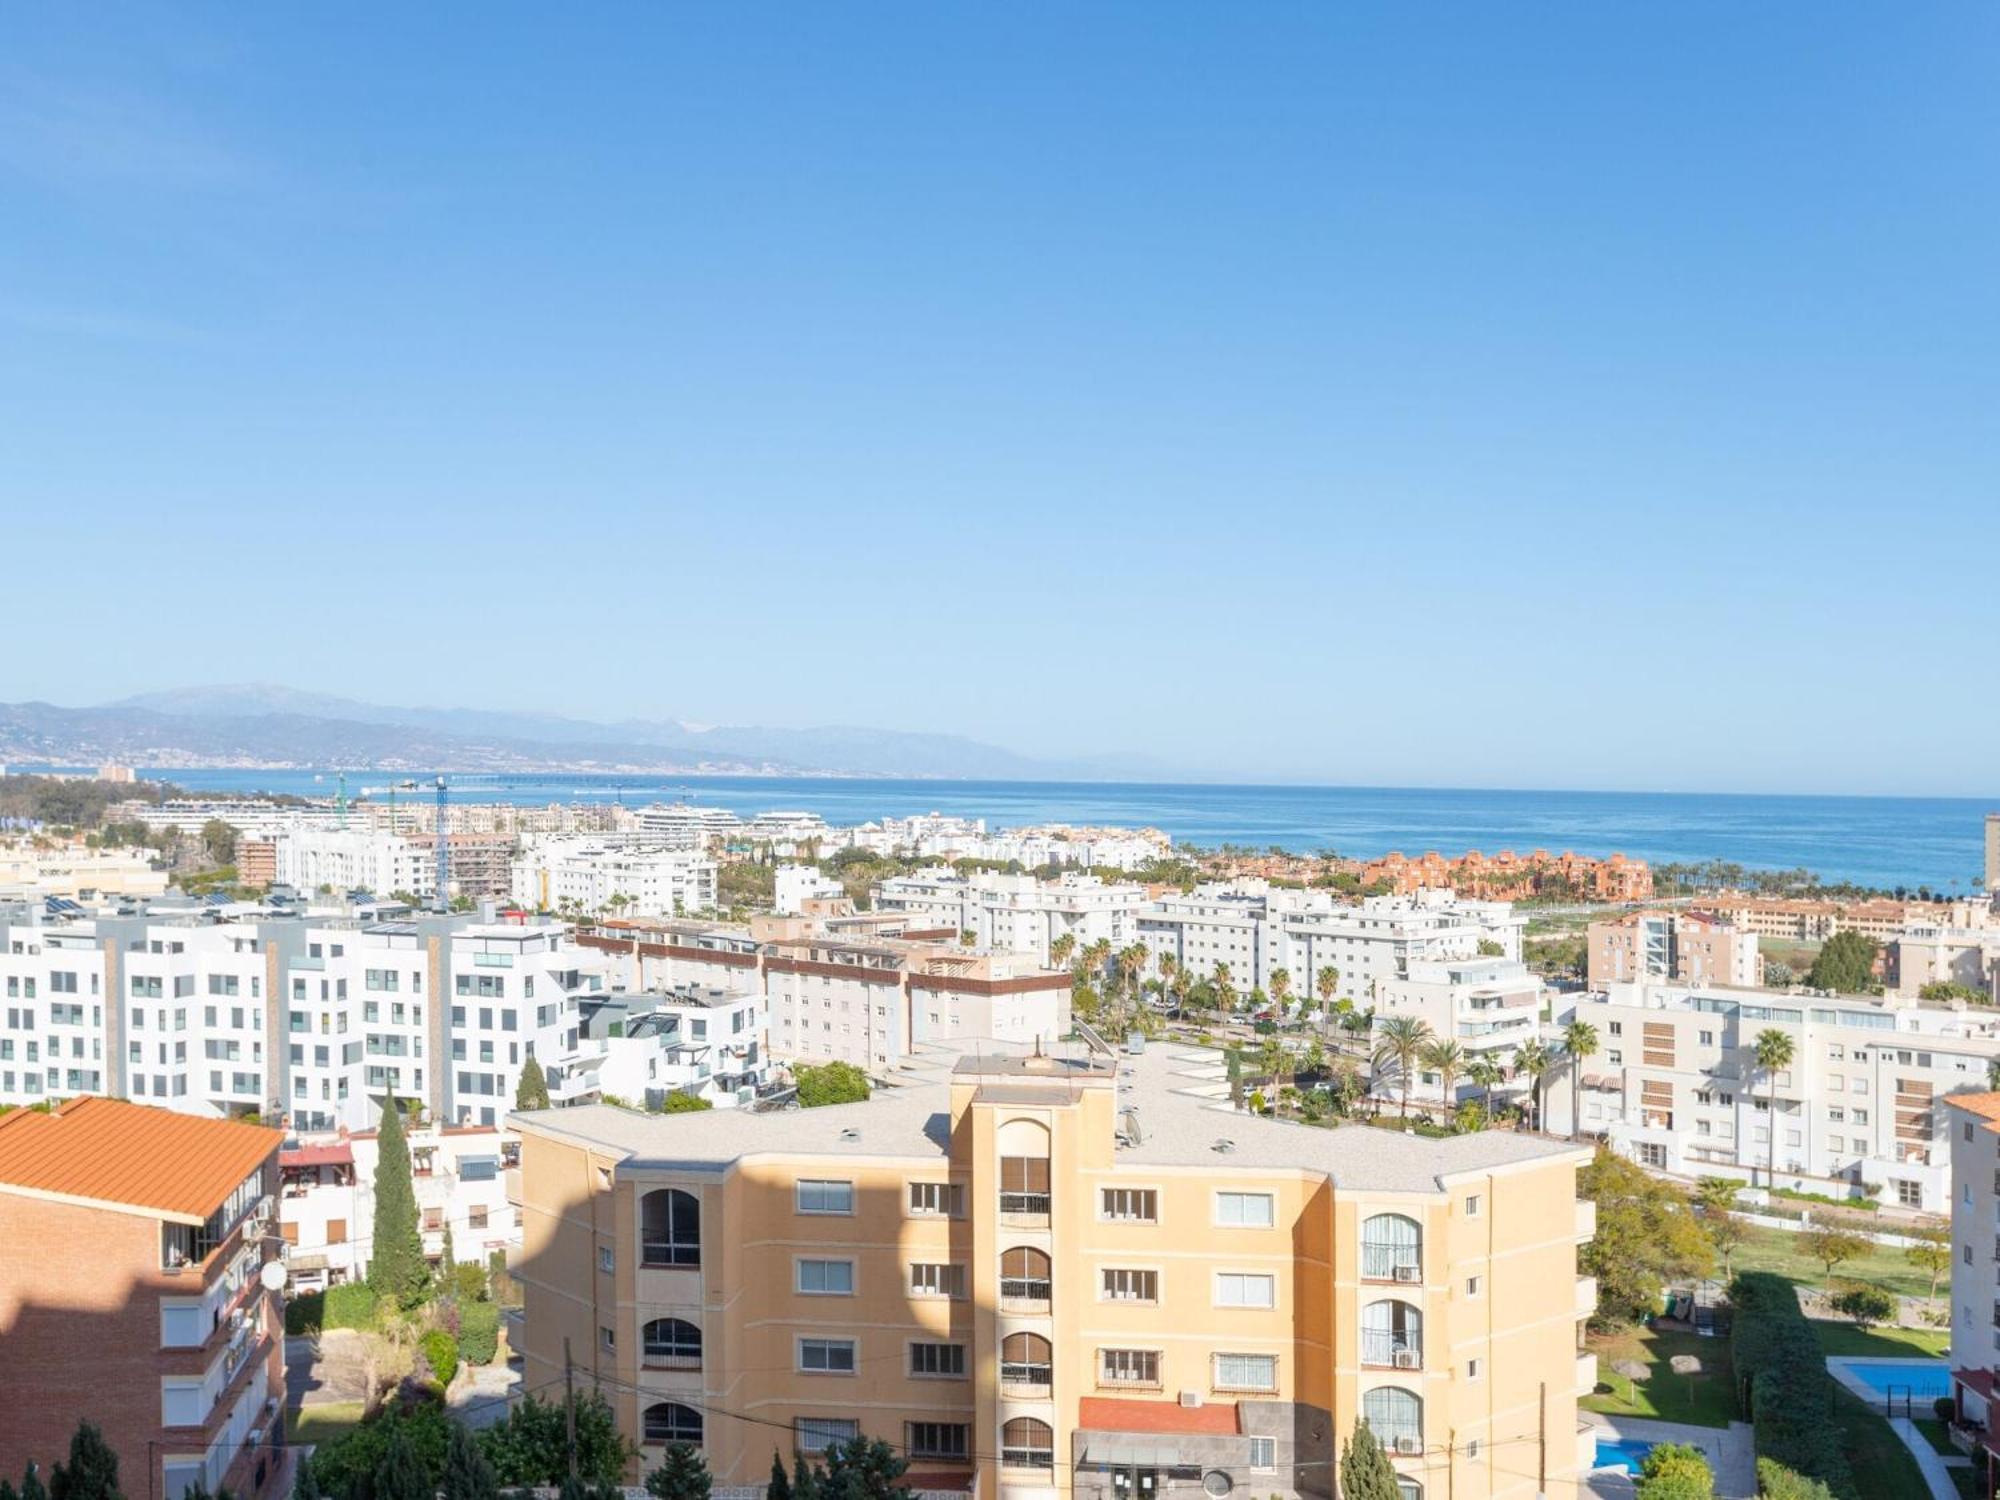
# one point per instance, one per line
(1878, 841)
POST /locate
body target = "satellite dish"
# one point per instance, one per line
(271, 1275)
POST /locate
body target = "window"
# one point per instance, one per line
(1245, 1289)
(1653, 1154)
(671, 1343)
(817, 1434)
(1473, 1450)
(937, 1439)
(1396, 1417)
(1128, 1286)
(1392, 1249)
(670, 1422)
(1908, 1193)
(1027, 1443)
(819, 1197)
(1249, 1210)
(1246, 1372)
(826, 1356)
(939, 1279)
(826, 1278)
(936, 1200)
(1129, 1205)
(1024, 1184)
(670, 1228)
(1474, 1369)
(1128, 1366)
(1392, 1335)
(938, 1361)
(607, 1339)
(1024, 1275)
(1472, 1206)
(1472, 1286)
(605, 1261)
(1026, 1359)
(1263, 1453)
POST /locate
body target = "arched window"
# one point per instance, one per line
(1026, 1443)
(1024, 1167)
(672, 1344)
(1024, 1275)
(1396, 1417)
(670, 1422)
(1408, 1489)
(670, 1228)
(1392, 1334)
(1392, 1249)
(1025, 1359)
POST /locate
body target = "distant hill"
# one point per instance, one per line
(259, 724)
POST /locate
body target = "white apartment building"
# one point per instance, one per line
(1926, 953)
(1973, 1123)
(679, 825)
(257, 818)
(1674, 1084)
(1256, 929)
(595, 874)
(38, 867)
(1489, 1006)
(1019, 913)
(706, 1041)
(326, 1202)
(356, 859)
(795, 885)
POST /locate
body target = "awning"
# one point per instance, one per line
(336, 1154)
(1118, 1451)
(298, 1263)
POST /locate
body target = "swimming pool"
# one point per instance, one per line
(1920, 1379)
(1621, 1453)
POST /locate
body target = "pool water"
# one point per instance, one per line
(1922, 1379)
(1621, 1453)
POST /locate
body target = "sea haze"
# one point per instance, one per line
(1880, 841)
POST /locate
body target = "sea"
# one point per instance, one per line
(1884, 842)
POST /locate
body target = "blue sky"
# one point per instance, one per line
(1556, 395)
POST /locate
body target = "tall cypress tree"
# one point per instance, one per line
(467, 1474)
(92, 1470)
(397, 1269)
(532, 1092)
(1365, 1470)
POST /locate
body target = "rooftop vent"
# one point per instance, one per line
(850, 1133)
(1225, 1145)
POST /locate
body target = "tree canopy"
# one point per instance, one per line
(1846, 965)
(1647, 1235)
(532, 1092)
(830, 1083)
(396, 1268)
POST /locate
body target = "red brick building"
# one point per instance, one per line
(131, 1245)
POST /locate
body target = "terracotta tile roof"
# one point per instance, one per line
(332, 1155)
(1986, 1106)
(111, 1151)
(1110, 1414)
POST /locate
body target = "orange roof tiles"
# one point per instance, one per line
(1112, 1414)
(1986, 1106)
(111, 1151)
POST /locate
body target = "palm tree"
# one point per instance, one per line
(1773, 1051)
(1484, 1074)
(1225, 992)
(1398, 1040)
(1447, 1060)
(1281, 990)
(1272, 1058)
(1061, 948)
(1327, 982)
(1534, 1059)
(1579, 1041)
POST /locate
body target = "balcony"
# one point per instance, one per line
(1028, 1294)
(1586, 1219)
(1586, 1374)
(1026, 1378)
(1387, 1351)
(1024, 1209)
(1586, 1296)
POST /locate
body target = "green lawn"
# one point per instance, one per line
(1887, 1343)
(319, 1424)
(1706, 1400)
(1777, 1250)
(1883, 1467)
(1937, 1434)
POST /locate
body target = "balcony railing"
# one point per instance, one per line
(1024, 1289)
(1392, 1351)
(1025, 1203)
(1018, 1372)
(1028, 1458)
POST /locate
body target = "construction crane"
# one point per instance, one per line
(441, 899)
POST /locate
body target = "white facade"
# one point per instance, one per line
(36, 867)
(1019, 913)
(1973, 1123)
(312, 859)
(593, 875)
(679, 825)
(1674, 1084)
(1489, 1006)
(795, 885)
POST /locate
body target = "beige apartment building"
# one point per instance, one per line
(1044, 1277)
(1654, 946)
(1993, 853)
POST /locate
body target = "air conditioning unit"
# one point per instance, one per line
(1190, 1398)
(1408, 1359)
(1409, 1273)
(1409, 1447)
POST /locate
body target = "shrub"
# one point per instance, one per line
(1675, 1471)
(1776, 1482)
(304, 1312)
(478, 1332)
(469, 1282)
(1864, 1303)
(1946, 1409)
(441, 1351)
(1778, 1363)
(830, 1083)
(349, 1305)
(342, 1463)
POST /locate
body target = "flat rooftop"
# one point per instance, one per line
(1178, 1097)
(101, 1150)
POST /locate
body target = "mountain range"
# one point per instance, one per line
(270, 725)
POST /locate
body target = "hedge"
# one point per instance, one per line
(441, 1350)
(303, 1313)
(1781, 1376)
(478, 1332)
(1776, 1482)
(349, 1305)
